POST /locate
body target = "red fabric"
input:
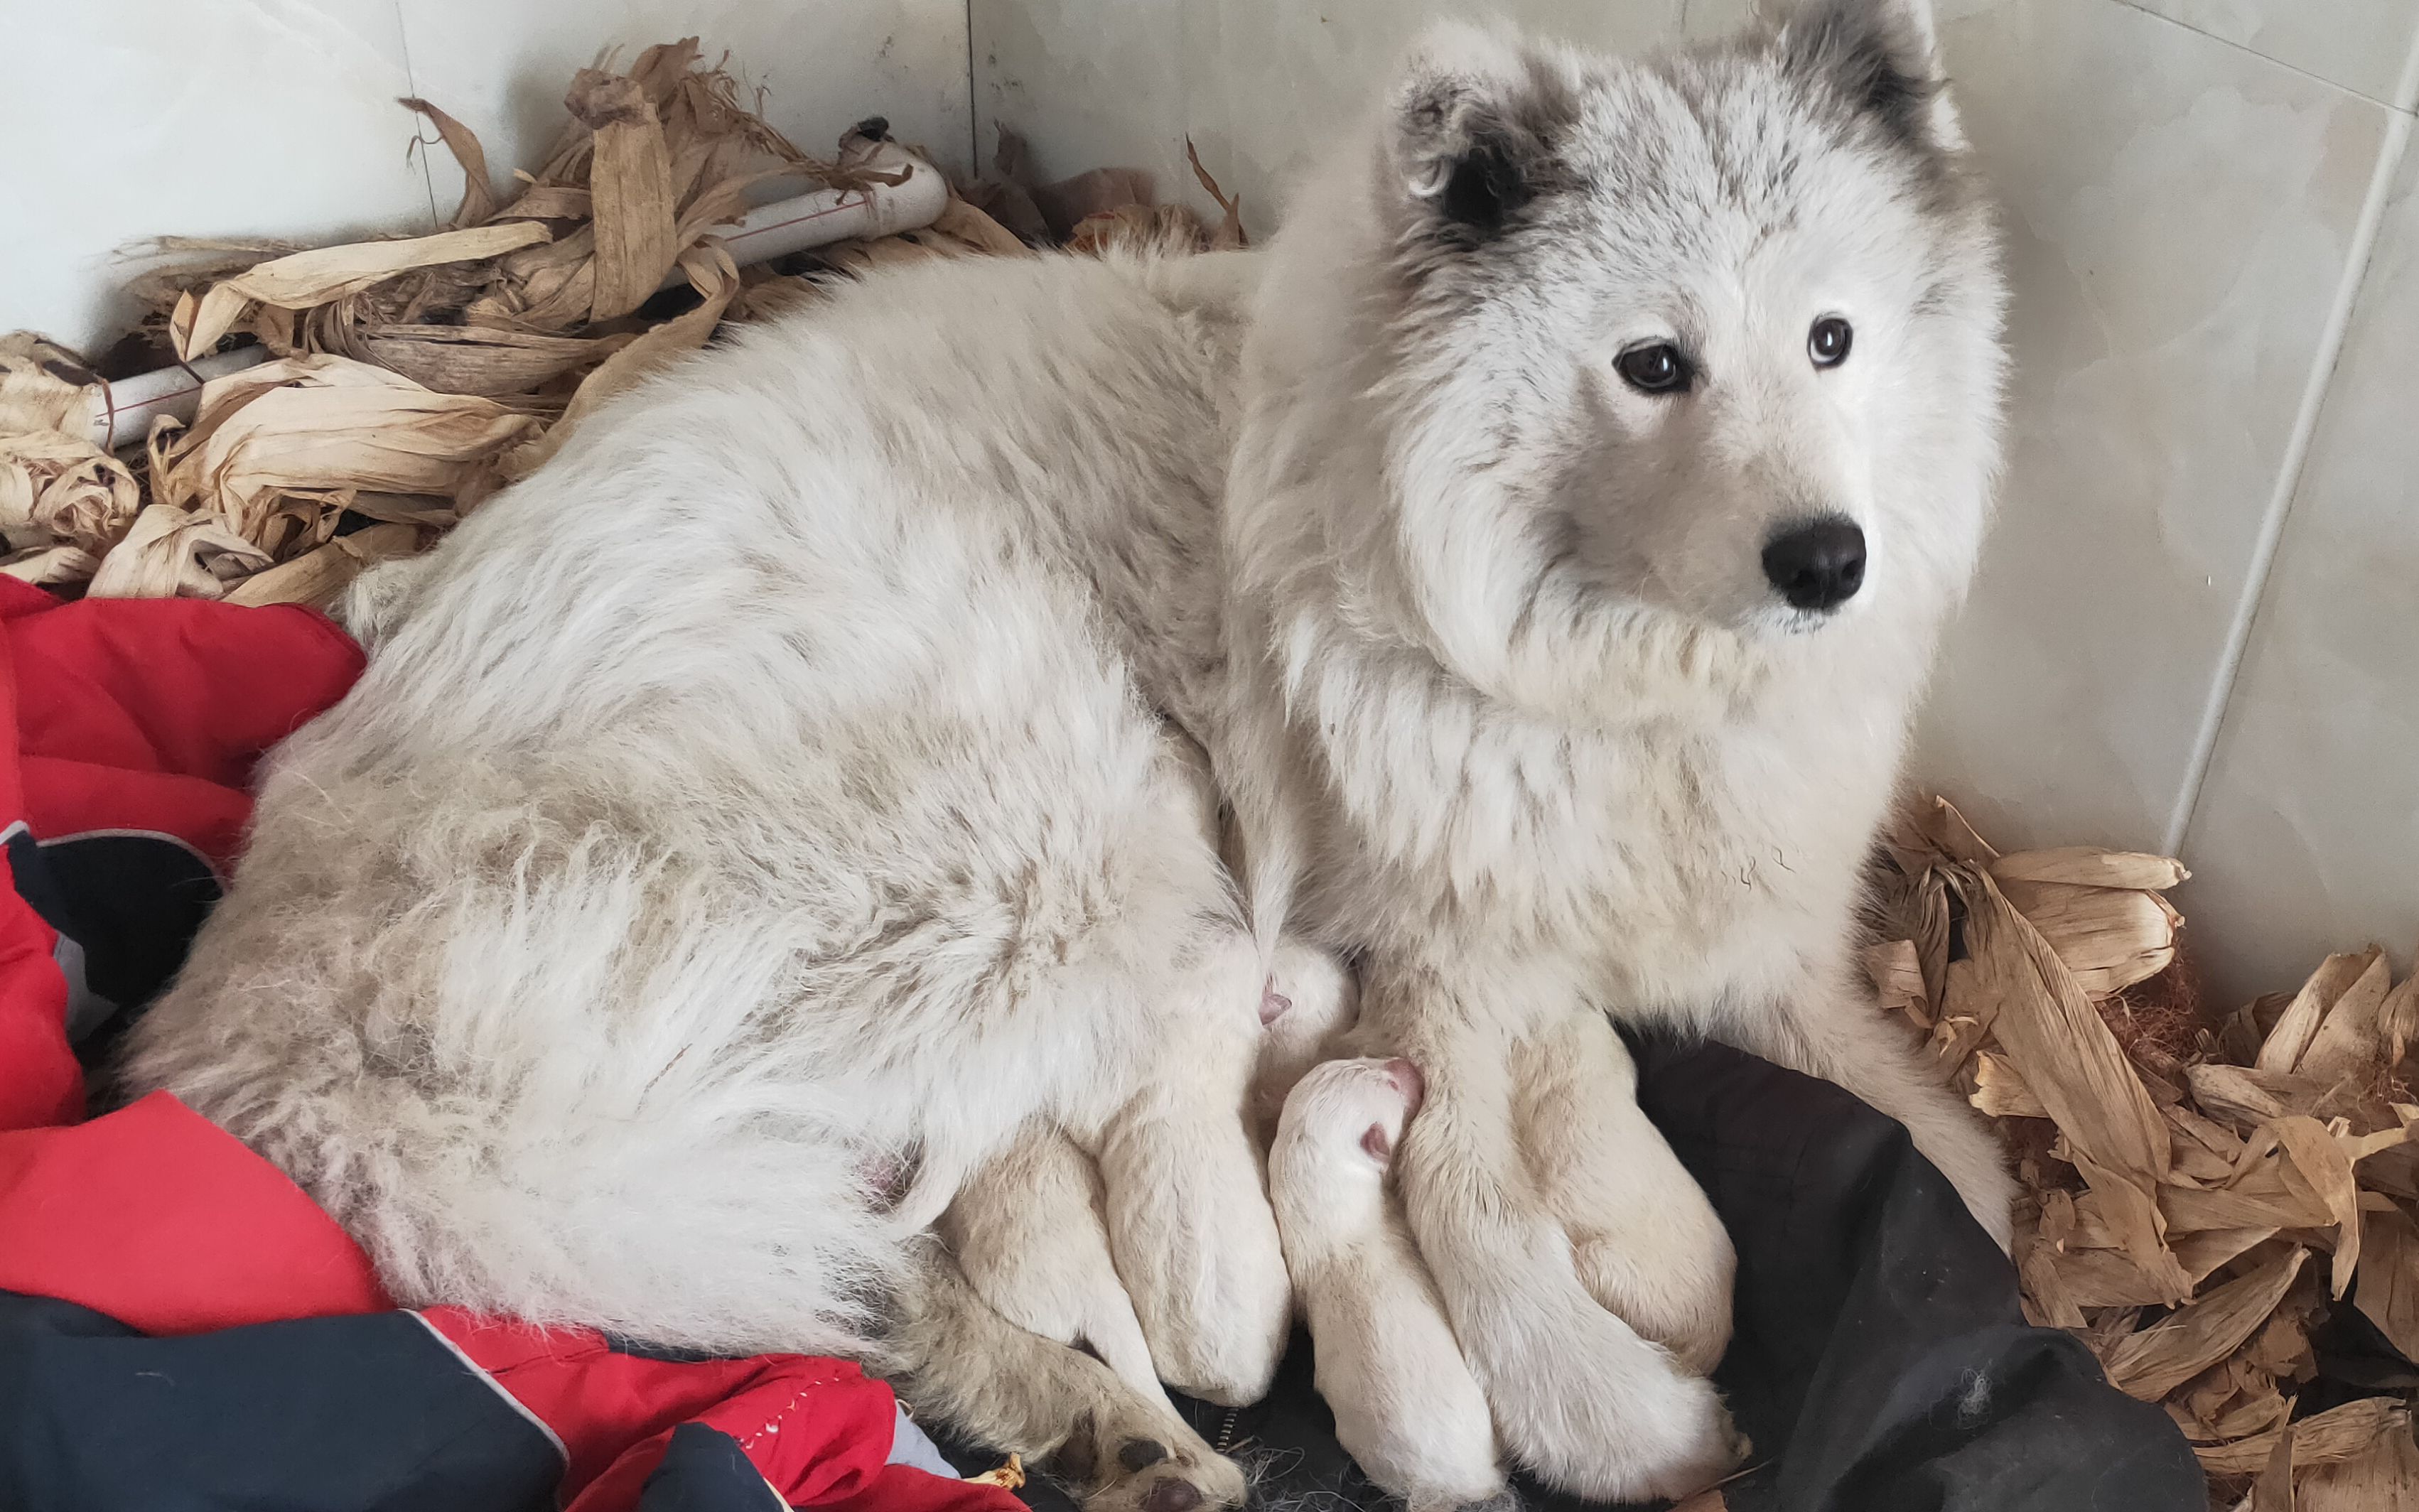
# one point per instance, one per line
(817, 1430)
(160, 1218)
(149, 713)
(120, 714)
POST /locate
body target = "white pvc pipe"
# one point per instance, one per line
(124, 415)
(129, 405)
(829, 215)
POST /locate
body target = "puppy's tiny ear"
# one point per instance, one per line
(1471, 126)
(1377, 1144)
(1881, 57)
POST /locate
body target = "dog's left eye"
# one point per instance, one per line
(1828, 342)
(1657, 369)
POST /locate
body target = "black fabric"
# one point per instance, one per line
(371, 1414)
(130, 901)
(1880, 1363)
(704, 1470)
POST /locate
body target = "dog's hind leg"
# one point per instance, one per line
(1577, 1396)
(957, 1362)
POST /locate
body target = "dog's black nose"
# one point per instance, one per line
(1817, 565)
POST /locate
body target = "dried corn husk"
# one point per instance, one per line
(2180, 1175)
(417, 375)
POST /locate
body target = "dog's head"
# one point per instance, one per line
(1702, 346)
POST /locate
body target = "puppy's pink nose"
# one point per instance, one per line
(1408, 1081)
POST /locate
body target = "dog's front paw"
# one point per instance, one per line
(1132, 1461)
(1197, 1247)
(1646, 1242)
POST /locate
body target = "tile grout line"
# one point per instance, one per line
(2297, 453)
(411, 83)
(2406, 106)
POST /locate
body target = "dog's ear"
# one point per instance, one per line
(1472, 124)
(1880, 57)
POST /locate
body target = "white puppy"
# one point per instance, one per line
(1029, 1232)
(1406, 1407)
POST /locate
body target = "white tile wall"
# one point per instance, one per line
(131, 119)
(2191, 191)
(2308, 829)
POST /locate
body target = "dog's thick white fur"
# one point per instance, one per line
(753, 824)
(1406, 1407)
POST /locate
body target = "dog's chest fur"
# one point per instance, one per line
(1673, 867)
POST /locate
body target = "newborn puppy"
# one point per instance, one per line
(1029, 1232)
(1310, 1004)
(1406, 1407)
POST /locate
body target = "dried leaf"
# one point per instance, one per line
(636, 217)
(2087, 866)
(2389, 1281)
(478, 196)
(2326, 1437)
(1897, 975)
(2109, 938)
(61, 489)
(43, 386)
(1999, 1093)
(305, 279)
(2382, 1476)
(2063, 1051)
(46, 566)
(716, 277)
(172, 553)
(319, 575)
(2349, 1043)
(1230, 224)
(2283, 1049)
(2247, 1098)
(2273, 1490)
(2154, 1362)
(316, 425)
(2323, 1165)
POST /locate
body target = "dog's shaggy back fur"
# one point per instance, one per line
(757, 801)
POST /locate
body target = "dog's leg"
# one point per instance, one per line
(1836, 1032)
(1577, 1396)
(957, 1362)
(1029, 1232)
(1647, 1242)
(1188, 1208)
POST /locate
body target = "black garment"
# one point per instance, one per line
(1880, 1363)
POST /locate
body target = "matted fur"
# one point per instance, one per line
(792, 789)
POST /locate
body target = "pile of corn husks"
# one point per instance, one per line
(414, 377)
(2220, 1208)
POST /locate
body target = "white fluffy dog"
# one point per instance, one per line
(753, 824)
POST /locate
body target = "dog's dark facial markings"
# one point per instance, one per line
(1141, 1454)
(1485, 187)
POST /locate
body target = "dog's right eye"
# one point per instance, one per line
(1657, 369)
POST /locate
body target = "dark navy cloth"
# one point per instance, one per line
(370, 1413)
